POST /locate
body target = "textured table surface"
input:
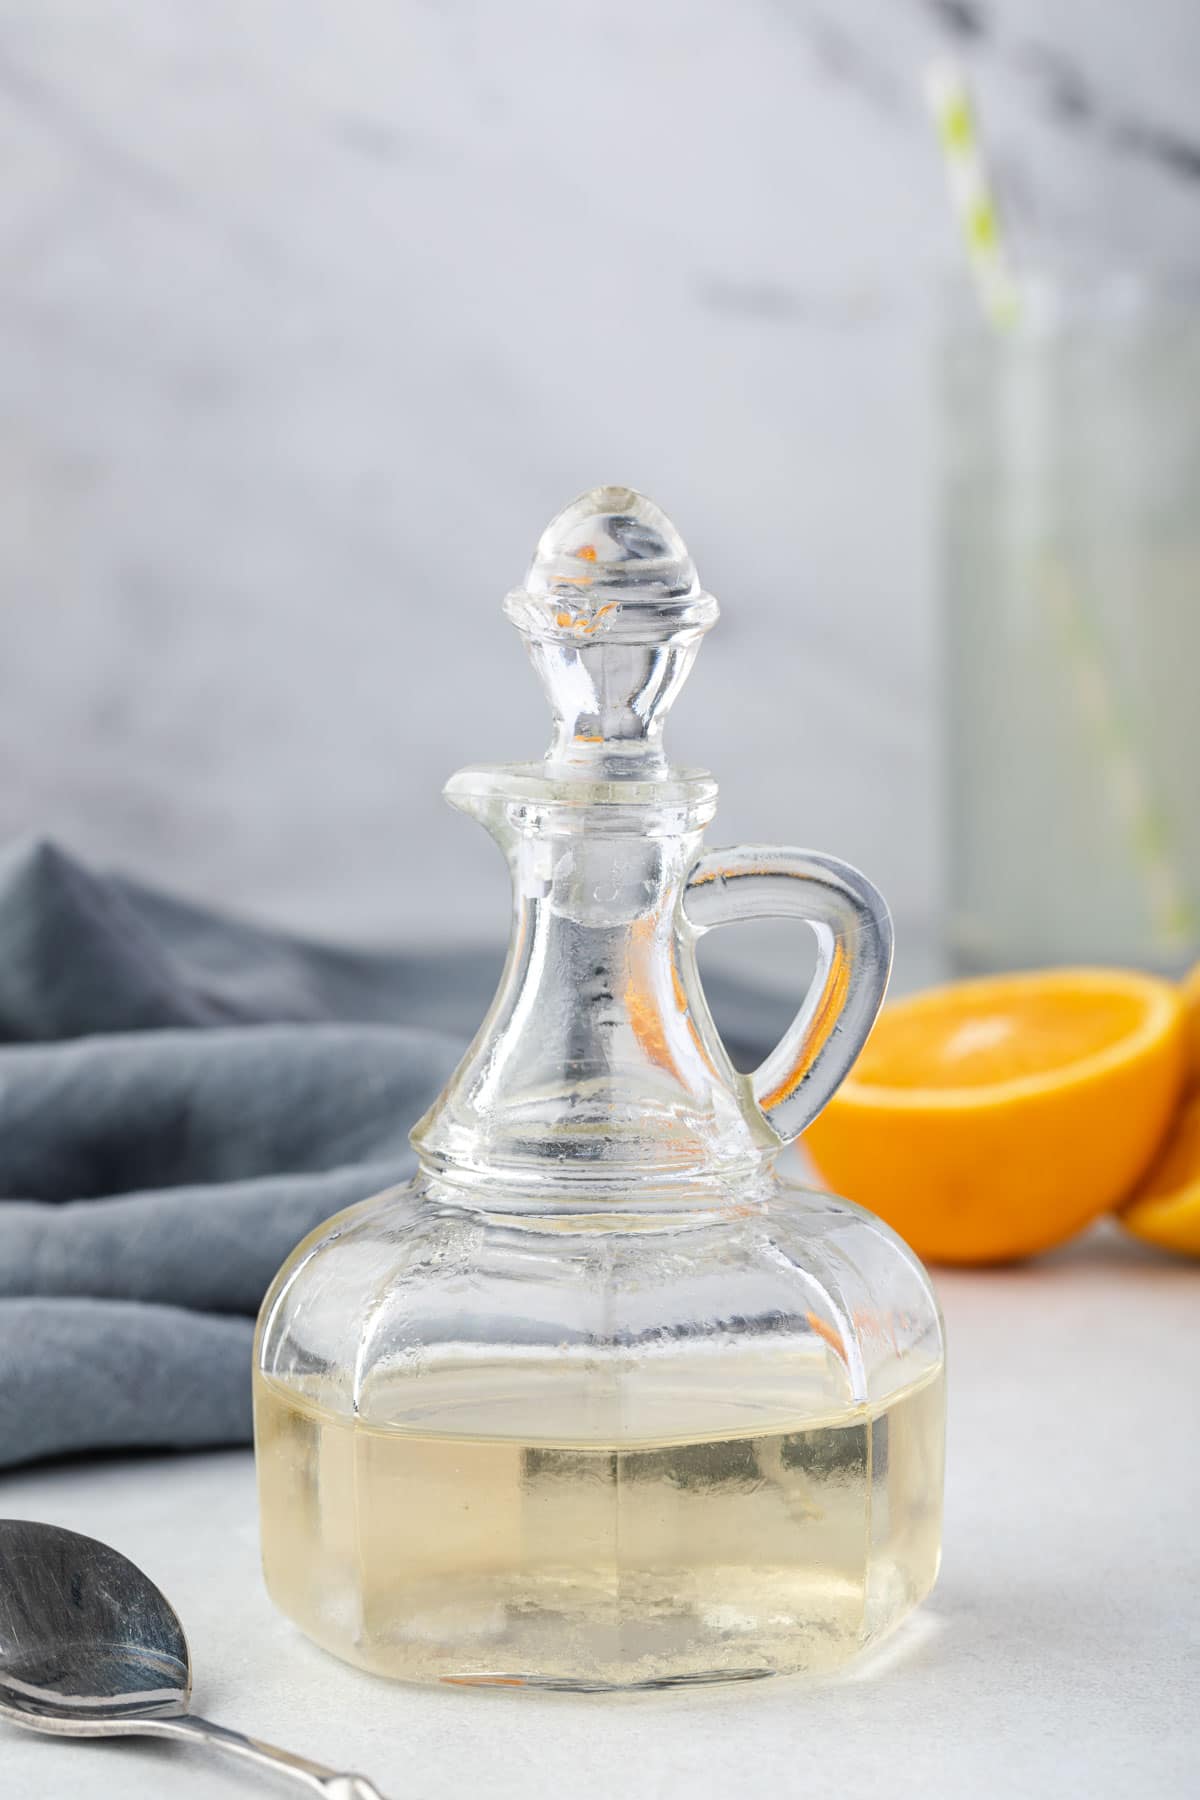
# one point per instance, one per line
(1059, 1655)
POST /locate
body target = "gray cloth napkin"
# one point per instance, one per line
(183, 1097)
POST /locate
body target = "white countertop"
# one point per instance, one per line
(1060, 1653)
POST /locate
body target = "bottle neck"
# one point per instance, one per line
(598, 1067)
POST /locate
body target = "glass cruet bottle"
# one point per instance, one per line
(602, 1397)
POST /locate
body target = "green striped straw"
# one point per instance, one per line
(972, 195)
(1171, 916)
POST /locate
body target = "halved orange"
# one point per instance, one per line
(1166, 1208)
(1191, 1007)
(993, 1119)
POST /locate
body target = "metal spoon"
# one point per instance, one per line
(89, 1647)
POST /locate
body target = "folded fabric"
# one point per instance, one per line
(183, 1096)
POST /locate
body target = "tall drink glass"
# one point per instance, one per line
(1071, 593)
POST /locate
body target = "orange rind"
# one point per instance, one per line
(1166, 1208)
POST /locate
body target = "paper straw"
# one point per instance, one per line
(972, 195)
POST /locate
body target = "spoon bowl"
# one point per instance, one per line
(90, 1647)
(86, 1640)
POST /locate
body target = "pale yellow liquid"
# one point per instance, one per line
(435, 1556)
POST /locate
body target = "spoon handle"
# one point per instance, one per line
(315, 1778)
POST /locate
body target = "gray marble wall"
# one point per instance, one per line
(311, 315)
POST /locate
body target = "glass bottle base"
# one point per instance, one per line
(591, 1565)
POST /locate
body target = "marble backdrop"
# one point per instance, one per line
(311, 315)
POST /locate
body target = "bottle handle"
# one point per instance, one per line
(853, 929)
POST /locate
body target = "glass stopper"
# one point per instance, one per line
(612, 613)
